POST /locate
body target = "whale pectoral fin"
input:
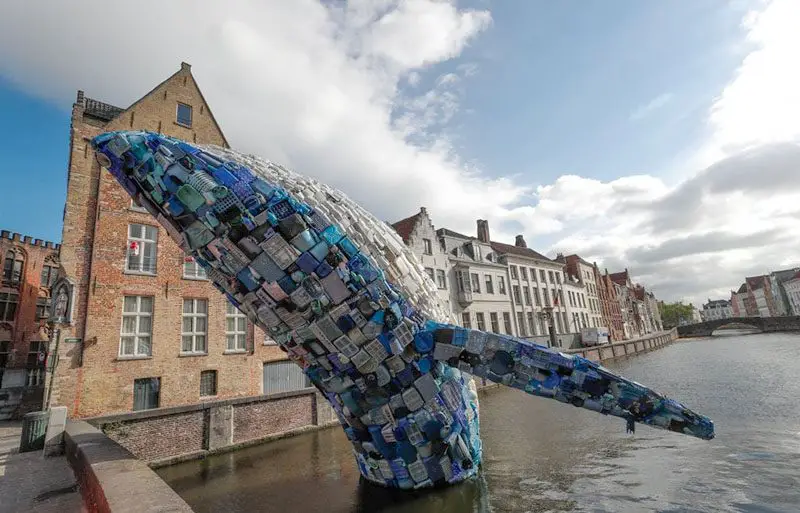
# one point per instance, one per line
(567, 378)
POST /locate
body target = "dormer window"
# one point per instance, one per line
(427, 247)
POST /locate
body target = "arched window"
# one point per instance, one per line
(12, 267)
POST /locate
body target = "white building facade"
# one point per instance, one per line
(716, 310)
(536, 287)
(420, 236)
(480, 295)
(792, 289)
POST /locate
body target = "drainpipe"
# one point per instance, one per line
(54, 354)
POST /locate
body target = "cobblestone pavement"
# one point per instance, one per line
(32, 483)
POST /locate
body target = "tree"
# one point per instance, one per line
(673, 314)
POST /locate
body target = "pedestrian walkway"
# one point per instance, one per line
(31, 483)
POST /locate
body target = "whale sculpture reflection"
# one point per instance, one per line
(340, 293)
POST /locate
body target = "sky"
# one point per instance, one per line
(661, 137)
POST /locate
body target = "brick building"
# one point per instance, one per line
(609, 305)
(144, 328)
(29, 269)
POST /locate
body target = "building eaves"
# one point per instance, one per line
(508, 249)
(444, 232)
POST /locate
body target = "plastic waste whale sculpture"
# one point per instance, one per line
(340, 293)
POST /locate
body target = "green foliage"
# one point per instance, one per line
(673, 313)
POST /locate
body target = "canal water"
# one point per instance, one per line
(542, 456)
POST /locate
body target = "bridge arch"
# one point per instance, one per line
(706, 329)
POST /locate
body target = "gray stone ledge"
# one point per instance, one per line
(112, 479)
(189, 408)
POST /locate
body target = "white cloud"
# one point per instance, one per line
(653, 105)
(321, 89)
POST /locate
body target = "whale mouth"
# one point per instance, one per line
(103, 159)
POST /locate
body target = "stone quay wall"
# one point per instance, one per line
(626, 347)
(164, 436)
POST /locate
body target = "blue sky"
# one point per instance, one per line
(586, 125)
(34, 140)
(557, 86)
(559, 82)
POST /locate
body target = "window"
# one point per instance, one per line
(513, 272)
(427, 247)
(142, 240)
(489, 284)
(476, 283)
(527, 294)
(537, 299)
(501, 285)
(34, 348)
(208, 383)
(481, 321)
(146, 393)
(5, 347)
(566, 323)
(494, 321)
(193, 335)
(523, 332)
(34, 377)
(550, 275)
(517, 298)
(235, 328)
(49, 275)
(12, 268)
(558, 278)
(546, 297)
(429, 272)
(8, 306)
(559, 329)
(533, 274)
(42, 308)
(284, 377)
(531, 324)
(137, 326)
(524, 272)
(466, 321)
(554, 296)
(137, 207)
(507, 323)
(441, 279)
(192, 270)
(184, 114)
(542, 277)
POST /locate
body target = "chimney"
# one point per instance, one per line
(483, 231)
(520, 242)
(423, 210)
(186, 66)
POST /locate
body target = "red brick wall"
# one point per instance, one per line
(24, 327)
(161, 434)
(95, 381)
(257, 420)
(160, 437)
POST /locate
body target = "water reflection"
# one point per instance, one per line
(543, 456)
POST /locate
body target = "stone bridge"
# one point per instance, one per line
(763, 324)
